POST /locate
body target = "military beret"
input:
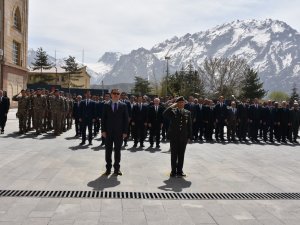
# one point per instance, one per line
(180, 98)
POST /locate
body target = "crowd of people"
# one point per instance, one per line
(268, 121)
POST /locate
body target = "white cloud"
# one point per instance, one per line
(119, 25)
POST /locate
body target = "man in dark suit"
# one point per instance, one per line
(76, 115)
(124, 99)
(199, 123)
(231, 122)
(255, 119)
(242, 119)
(221, 118)
(139, 121)
(155, 121)
(4, 107)
(114, 126)
(285, 124)
(87, 117)
(190, 105)
(180, 131)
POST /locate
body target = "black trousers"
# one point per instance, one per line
(87, 123)
(155, 131)
(3, 119)
(243, 128)
(77, 126)
(178, 146)
(113, 142)
(139, 133)
(254, 126)
(220, 130)
(96, 127)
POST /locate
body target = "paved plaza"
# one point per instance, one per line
(46, 162)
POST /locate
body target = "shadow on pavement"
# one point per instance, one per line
(152, 150)
(79, 147)
(175, 184)
(104, 182)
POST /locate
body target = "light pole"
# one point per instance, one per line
(167, 87)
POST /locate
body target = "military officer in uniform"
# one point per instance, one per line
(179, 132)
(57, 106)
(39, 107)
(23, 107)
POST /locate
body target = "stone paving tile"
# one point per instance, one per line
(210, 168)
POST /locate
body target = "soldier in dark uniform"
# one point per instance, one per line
(124, 99)
(180, 131)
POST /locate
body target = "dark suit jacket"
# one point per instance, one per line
(255, 114)
(155, 118)
(87, 112)
(199, 113)
(221, 112)
(99, 109)
(114, 122)
(4, 106)
(180, 124)
(139, 117)
(76, 110)
(242, 112)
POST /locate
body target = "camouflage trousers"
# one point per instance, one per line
(38, 120)
(30, 117)
(47, 120)
(22, 116)
(57, 125)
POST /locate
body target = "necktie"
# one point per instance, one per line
(115, 107)
(156, 109)
(140, 107)
(86, 102)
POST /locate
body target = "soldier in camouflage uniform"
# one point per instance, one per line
(57, 107)
(23, 106)
(39, 107)
(65, 110)
(47, 119)
(30, 116)
(70, 112)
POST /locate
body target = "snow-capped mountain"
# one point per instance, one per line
(270, 46)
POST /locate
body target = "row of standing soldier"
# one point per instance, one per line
(44, 111)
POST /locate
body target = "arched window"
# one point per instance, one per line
(17, 19)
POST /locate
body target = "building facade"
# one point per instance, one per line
(58, 76)
(13, 45)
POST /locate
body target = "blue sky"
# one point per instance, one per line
(97, 26)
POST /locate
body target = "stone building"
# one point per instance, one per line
(13, 45)
(58, 76)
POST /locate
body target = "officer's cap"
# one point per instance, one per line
(180, 98)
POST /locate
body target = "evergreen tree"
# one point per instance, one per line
(294, 95)
(73, 71)
(141, 86)
(41, 61)
(251, 86)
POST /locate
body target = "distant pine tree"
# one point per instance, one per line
(141, 86)
(73, 71)
(41, 61)
(251, 86)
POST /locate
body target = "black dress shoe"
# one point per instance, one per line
(157, 146)
(142, 145)
(118, 173)
(182, 174)
(134, 146)
(151, 146)
(107, 172)
(172, 174)
(90, 143)
(82, 143)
